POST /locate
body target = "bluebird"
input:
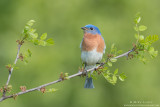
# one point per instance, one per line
(92, 50)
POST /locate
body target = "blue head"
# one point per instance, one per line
(91, 29)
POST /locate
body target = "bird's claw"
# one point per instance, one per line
(83, 71)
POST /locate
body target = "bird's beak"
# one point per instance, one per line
(84, 28)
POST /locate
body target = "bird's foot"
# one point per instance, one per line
(83, 71)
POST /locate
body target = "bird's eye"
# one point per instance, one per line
(91, 28)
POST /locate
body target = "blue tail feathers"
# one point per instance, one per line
(88, 82)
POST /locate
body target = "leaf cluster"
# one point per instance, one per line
(30, 34)
(112, 77)
(143, 44)
(6, 89)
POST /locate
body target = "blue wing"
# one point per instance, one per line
(104, 45)
(81, 45)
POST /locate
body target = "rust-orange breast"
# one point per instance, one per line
(91, 42)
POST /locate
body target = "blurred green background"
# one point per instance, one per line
(62, 20)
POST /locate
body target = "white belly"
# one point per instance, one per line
(91, 57)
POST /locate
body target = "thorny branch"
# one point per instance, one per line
(56, 81)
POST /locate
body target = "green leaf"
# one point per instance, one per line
(152, 52)
(137, 19)
(151, 39)
(106, 76)
(109, 63)
(105, 68)
(113, 59)
(15, 68)
(36, 41)
(93, 77)
(143, 59)
(110, 79)
(108, 72)
(154, 37)
(66, 74)
(34, 35)
(136, 28)
(89, 75)
(32, 30)
(136, 36)
(94, 72)
(141, 37)
(119, 51)
(26, 28)
(25, 61)
(116, 71)
(51, 90)
(29, 53)
(30, 23)
(42, 43)
(142, 28)
(50, 41)
(44, 36)
(9, 65)
(114, 79)
(122, 77)
(112, 46)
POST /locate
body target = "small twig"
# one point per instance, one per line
(10, 71)
(59, 80)
(125, 54)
